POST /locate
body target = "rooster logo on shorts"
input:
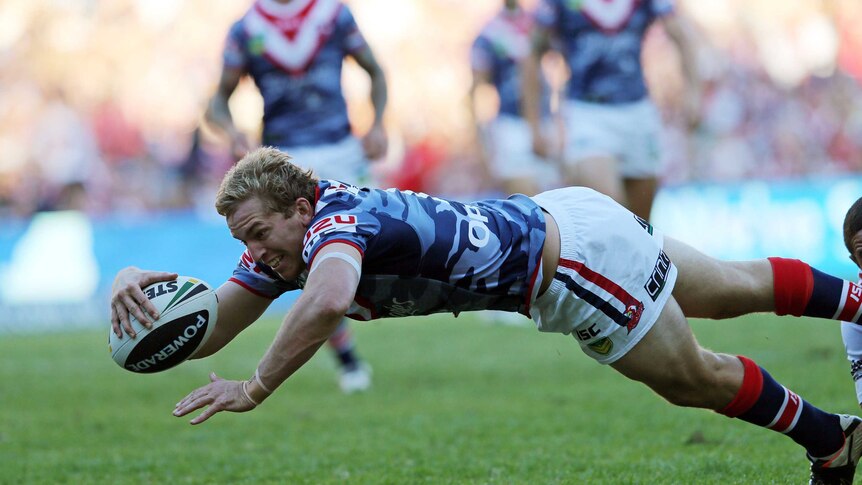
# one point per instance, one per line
(633, 313)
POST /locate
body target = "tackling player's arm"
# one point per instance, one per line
(328, 293)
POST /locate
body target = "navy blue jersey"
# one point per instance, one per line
(421, 254)
(601, 41)
(294, 53)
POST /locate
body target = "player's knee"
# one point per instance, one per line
(685, 394)
(708, 383)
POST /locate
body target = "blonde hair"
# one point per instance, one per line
(268, 175)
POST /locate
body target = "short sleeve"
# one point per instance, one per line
(661, 8)
(547, 13)
(339, 226)
(261, 279)
(481, 58)
(234, 54)
(353, 39)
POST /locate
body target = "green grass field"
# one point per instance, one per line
(454, 401)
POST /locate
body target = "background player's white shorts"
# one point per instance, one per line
(629, 133)
(344, 160)
(510, 147)
(613, 278)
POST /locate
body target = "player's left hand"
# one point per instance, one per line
(219, 395)
(374, 143)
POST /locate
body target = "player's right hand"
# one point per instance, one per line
(128, 297)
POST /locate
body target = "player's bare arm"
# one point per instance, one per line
(327, 296)
(218, 111)
(531, 84)
(680, 34)
(374, 142)
(237, 309)
(480, 77)
(127, 297)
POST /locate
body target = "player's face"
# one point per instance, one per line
(272, 238)
(856, 245)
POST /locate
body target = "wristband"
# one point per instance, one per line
(260, 382)
(247, 395)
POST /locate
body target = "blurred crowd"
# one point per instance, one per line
(102, 101)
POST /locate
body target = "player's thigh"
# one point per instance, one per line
(520, 185)
(512, 161)
(670, 361)
(640, 194)
(598, 172)
(711, 288)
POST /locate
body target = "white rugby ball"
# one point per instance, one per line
(188, 310)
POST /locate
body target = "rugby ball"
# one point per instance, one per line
(188, 310)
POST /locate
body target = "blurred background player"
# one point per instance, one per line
(294, 51)
(612, 127)
(852, 333)
(505, 144)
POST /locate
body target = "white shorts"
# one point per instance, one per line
(629, 133)
(344, 160)
(510, 149)
(613, 278)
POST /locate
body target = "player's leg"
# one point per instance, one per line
(511, 160)
(592, 143)
(621, 311)
(519, 185)
(355, 374)
(711, 288)
(851, 334)
(600, 173)
(640, 155)
(669, 361)
(640, 194)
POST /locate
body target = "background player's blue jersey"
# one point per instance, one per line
(295, 58)
(601, 41)
(421, 254)
(499, 48)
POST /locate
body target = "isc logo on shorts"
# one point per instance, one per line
(337, 222)
(658, 278)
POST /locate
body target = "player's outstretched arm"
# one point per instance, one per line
(127, 297)
(237, 309)
(327, 296)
